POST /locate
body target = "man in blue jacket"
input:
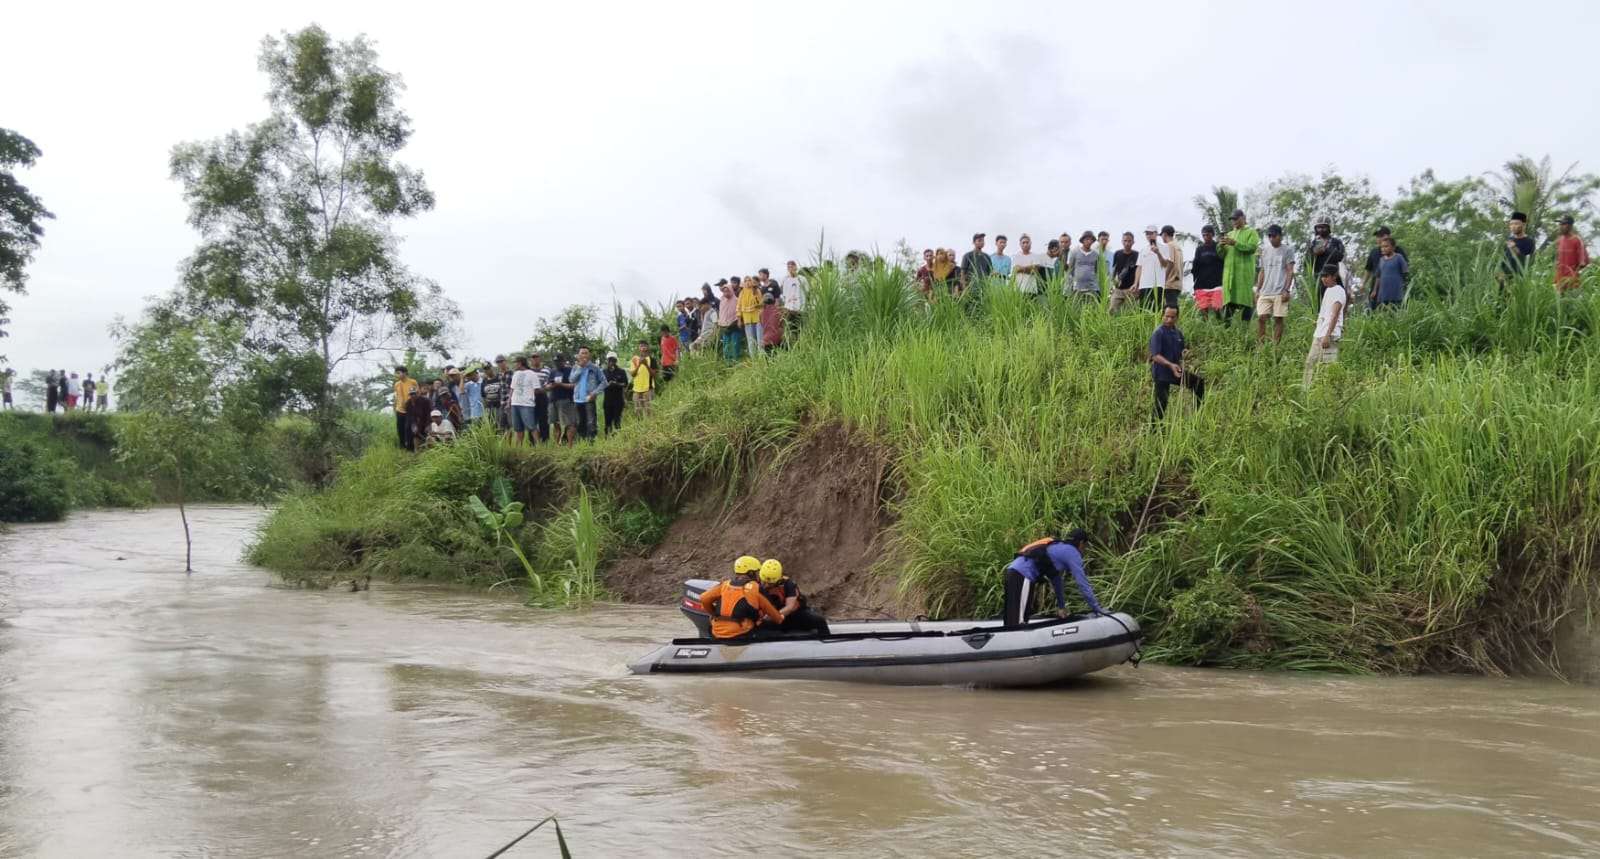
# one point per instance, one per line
(1046, 559)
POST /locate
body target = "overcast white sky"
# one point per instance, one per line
(648, 147)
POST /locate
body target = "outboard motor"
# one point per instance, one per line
(690, 605)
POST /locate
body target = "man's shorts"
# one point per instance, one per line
(563, 413)
(1273, 305)
(1208, 299)
(522, 419)
(642, 398)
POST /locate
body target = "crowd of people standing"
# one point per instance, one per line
(67, 392)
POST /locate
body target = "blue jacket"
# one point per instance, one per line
(1063, 557)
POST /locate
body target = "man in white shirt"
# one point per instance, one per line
(440, 430)
(525, 385)
(1330, 324)
(1030, 267)
(1152, 274)
(1274, 273)
(794, 291)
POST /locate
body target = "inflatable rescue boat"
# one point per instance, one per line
(906, 653)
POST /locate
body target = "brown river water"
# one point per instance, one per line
(148, 713)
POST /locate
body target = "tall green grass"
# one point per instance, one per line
(1431, 502)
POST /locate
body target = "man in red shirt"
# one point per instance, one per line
(669, 354)
(1571, 256)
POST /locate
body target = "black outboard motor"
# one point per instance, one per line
(690, 605)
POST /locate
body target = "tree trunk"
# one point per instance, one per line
(188, 541)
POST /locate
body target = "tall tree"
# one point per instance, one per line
(21, 213)
(1534, 188)
(576, 325)
(295, 213)
(177, 429)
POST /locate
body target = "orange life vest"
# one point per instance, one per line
(1039, 552)
(727, 600)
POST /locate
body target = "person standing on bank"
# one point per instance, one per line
(1330, 325)
(1166, 364)
(1519, 246)
(616, 393)
(1238, 249)
(1273, 277)
(1046, 559)
(1325, 249)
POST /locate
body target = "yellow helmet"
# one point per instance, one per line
(746, 566)
(771, 571)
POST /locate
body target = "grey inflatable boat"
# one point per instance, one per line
(908, 653)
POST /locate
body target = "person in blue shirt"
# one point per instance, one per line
(587, 381)
(1048, 559)
(1166, 364)
(474, 391)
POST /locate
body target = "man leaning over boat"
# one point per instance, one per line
(1050, 559)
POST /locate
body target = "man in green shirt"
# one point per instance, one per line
(1238, 249)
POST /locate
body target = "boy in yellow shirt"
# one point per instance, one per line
(750, 314)
(642, 367)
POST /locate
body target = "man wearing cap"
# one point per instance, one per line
(1048, 559)
(1370, 281)
(975, 265)
(1001, 264)
(1082, 263)
(563, 414)
(494, 389)
(1572, 256)
(1324, 250)
(1273, 276)
(1330, 324)
(616, 392)
(1238, 249)
(1151, 275)
(1124, 275)
(1174, 264)
(1519, 246)
(440, 430)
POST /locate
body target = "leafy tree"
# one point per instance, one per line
(1295, 201)
(1214, 209)
(1534, 188)
(21, 212)
(294, 214)
(1443, 222)
(177, 428)
(576, 325)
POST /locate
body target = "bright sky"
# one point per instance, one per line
(585, 150)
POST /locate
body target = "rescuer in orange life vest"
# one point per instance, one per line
(736, 605)
(781, 591)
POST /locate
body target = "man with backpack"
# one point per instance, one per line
(1049, 559)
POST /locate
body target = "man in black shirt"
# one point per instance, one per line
(1124, 266)
(616, 392)
(1207, 271)
(975, 264)
(1518, 248)
(1325, 250)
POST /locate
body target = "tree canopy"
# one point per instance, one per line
(21, 217)
(294, 214)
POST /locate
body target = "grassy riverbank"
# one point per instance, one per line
(1432, 504)
(50, 465)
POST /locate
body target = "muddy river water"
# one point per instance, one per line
(148, 713)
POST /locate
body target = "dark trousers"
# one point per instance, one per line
(541, 418)
(805, 620)
(1190, 380)
(1018, 599)
(402, 428)
(615, 399)
(1172, 296)
(588, 425)
(1246, 312)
